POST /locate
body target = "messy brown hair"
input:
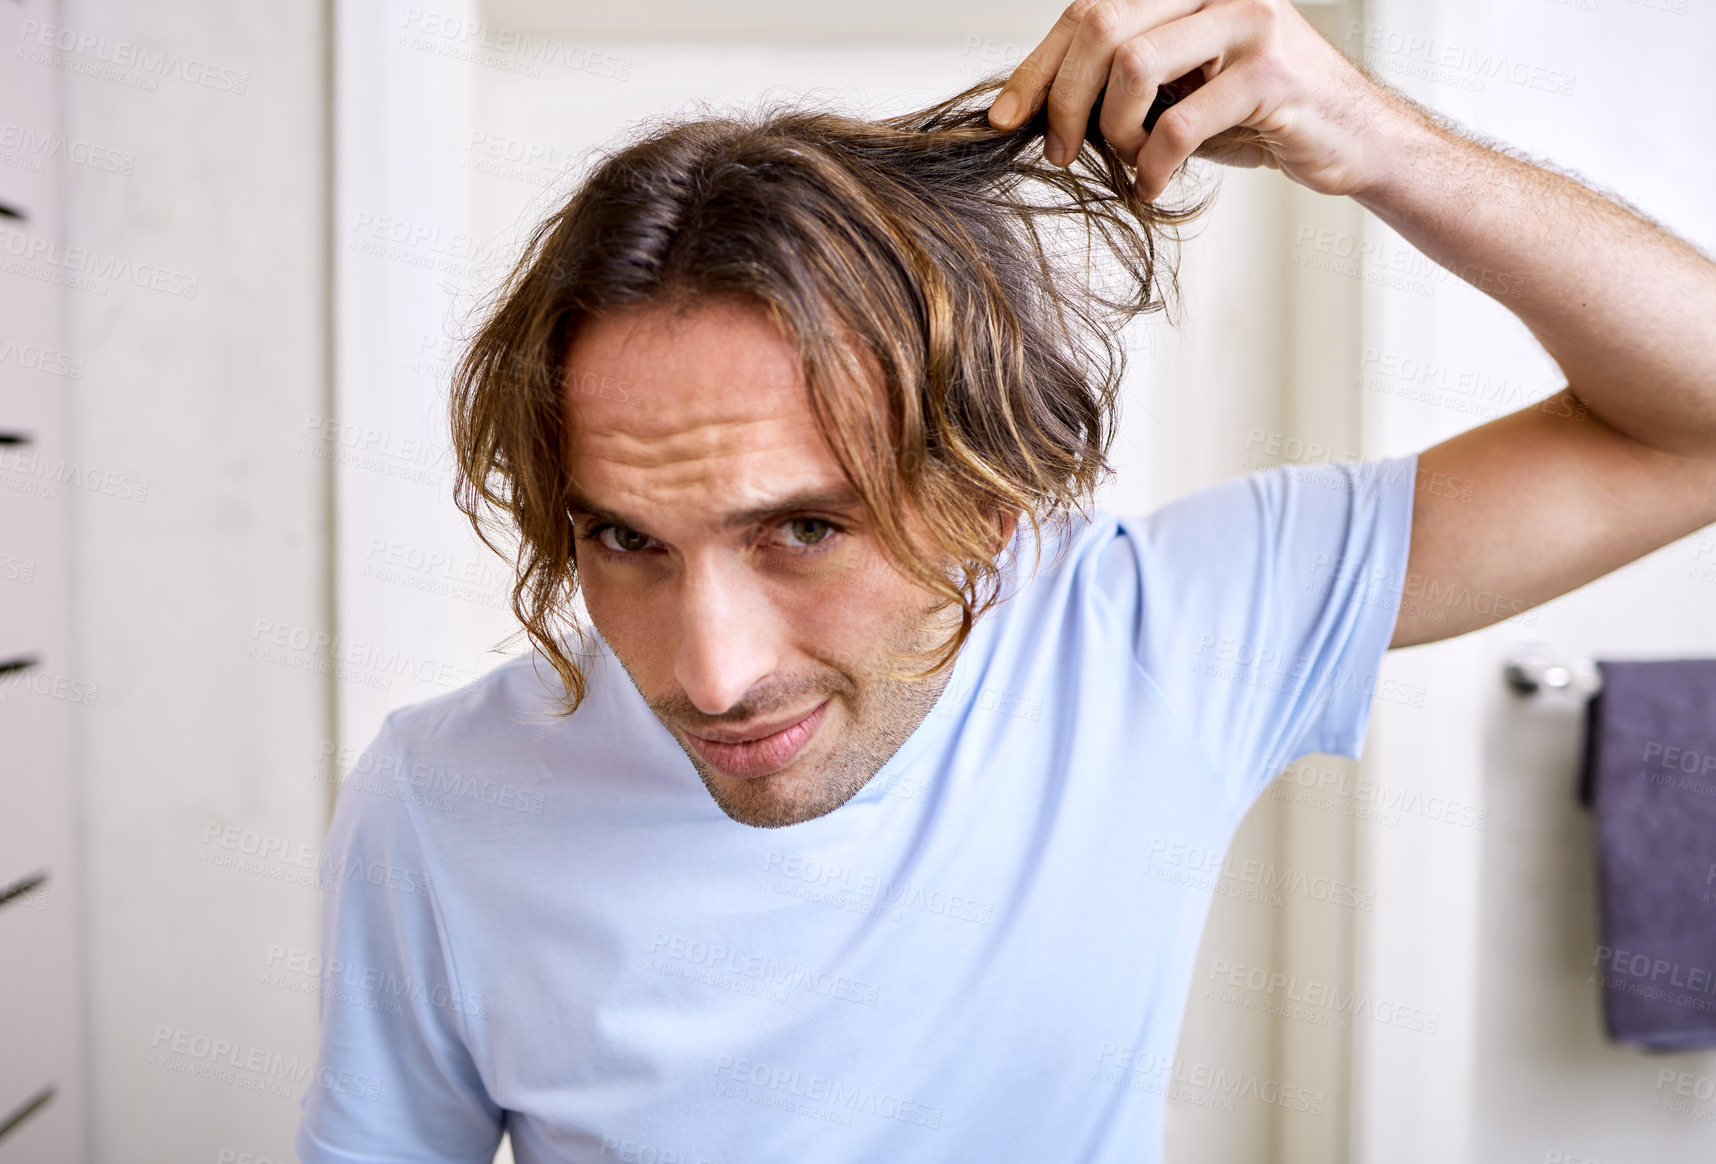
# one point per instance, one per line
(929, 252)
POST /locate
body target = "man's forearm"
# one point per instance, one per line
(1627, 310)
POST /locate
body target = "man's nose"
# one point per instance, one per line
(727, 632)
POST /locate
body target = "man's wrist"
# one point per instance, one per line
(1407, 157)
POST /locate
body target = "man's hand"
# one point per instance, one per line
(1270, 91)
(1619, 463)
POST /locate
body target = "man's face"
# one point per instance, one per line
(725, 559)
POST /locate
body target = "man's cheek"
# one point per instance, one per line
(855, 613)
(632, 625)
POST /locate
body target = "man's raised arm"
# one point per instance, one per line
(1623, 463)
(1560, 495)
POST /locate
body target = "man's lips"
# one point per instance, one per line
(762, 754)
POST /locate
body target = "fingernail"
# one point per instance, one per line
(1001, 113)
(1052, 148)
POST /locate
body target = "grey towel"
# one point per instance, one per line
(1650, 778)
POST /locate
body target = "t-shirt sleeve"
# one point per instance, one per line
(1261, 609)
(394, 1076)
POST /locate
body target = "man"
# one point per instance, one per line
(805, 411)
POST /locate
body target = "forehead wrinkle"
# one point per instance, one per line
(728, 421)
(697, 438)
(637, 475)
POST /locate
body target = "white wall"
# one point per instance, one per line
(1495, 928)
(205, 397)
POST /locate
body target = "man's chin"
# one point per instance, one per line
(799, 792)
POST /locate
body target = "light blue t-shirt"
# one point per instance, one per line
(547, 924)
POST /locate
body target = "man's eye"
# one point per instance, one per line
(807, 531)
(622, 540)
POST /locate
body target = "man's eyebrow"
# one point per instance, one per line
(825, 499)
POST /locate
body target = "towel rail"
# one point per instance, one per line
(1532, 669)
